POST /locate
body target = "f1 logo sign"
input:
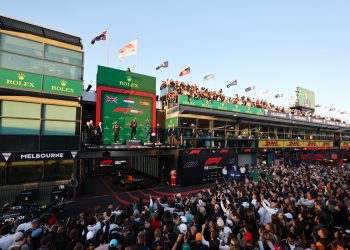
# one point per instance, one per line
(213, 161)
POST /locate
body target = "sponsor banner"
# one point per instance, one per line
(277, 114)
(311, 144)
(234, 175)
(20, 80)
(32, 156)
(300, 118)
(121, 79)
(319, 121)
(271, 144)
(62, 86)
(204, 167)
(331, 123)
(293, 144)
(325, 144)
(184, 100)
(345, 145)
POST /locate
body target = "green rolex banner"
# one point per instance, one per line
(62, 86)
(184, 100)
(20, 80)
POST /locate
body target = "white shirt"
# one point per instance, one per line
(269, 211)
(24, 227)
(6, 241)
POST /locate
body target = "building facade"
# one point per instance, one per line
(41, 83)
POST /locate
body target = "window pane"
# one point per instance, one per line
(58, 128)
(62, 70)
(58, 171)
(19, 126)
(59, 112)
(21, 46)
(20, 109)
(21, 63)
(63, 55)
(23, 174)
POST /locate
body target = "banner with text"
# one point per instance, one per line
(116, 78)
(184, 100)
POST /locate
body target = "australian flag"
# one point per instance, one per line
(102, 36)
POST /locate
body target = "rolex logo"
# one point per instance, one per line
(63, 83)
(21, 76)
(129, 78)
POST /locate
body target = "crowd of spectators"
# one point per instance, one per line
(271, 208)
(192, 91)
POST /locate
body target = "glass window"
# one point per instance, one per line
(58, 128)
(55, 112)
(221, 125)
(63, 55)
(203, 123)
(21, 46)
(19, 126)
(20, 109)
(58, 170)
(21, 63)
(62, 70)
(24, 173)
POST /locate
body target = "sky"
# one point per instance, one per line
(272, 44)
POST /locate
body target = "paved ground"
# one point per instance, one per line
(102, 191)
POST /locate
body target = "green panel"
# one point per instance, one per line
(63, 55)
(56, 112)
(123, 108)
(62, 86)
(58, 128)
(306, 98)
(125, 80)
(21, 46)
(17, 79)
(171, 121)
(183, 100)
(20, 109)
(19, 126)
(19, 62)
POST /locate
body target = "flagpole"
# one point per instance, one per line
(137, 55)
(107, 48)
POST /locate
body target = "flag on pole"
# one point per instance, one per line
(163, 65)
(265, 92)
(185, 72)
(232, 84)
(250, 88)
(209, 77)
(279, 95)
(129, 49)
(102, 36)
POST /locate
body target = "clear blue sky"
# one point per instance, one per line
(272, 44)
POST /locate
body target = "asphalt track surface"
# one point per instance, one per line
(102, 191)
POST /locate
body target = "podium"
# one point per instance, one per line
(130, 143)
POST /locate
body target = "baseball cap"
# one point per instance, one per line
(199, 237)
(113, 243)
(183, 228)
